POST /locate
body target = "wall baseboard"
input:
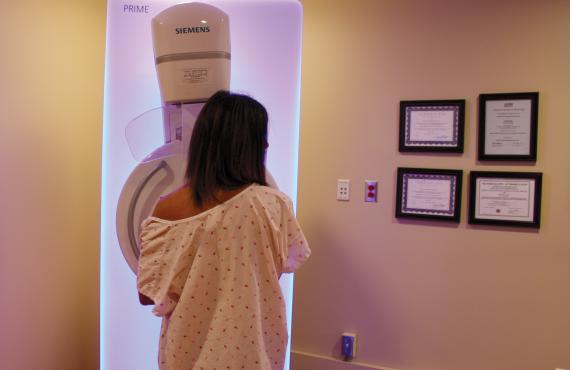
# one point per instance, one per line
(310, 361)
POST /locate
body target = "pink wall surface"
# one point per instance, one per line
(51, 99)
(426, 295)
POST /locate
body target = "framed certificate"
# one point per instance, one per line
(429, 194)
(432, 126)
(508, 126)
(505, 198)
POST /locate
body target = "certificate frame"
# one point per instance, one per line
(416, 185)
(505, 198)
(508, 138)
(432, 125)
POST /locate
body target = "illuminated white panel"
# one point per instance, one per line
(266, 51)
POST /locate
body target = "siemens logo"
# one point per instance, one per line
(192, 30)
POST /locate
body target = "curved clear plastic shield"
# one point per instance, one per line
(144, 133)
(161, 131)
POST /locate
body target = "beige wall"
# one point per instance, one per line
(426, 295)
(51, 99)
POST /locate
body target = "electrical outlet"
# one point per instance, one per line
(348, 346)
(370, 191)
(343, 190)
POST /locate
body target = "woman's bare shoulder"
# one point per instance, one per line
(173, 205)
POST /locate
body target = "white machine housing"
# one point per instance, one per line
(192, 52)
(191, 43)
(266, 65)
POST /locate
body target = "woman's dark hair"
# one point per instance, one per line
(227, 148)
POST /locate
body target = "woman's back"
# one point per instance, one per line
(180, 204)
(213, 273)
(213, 252)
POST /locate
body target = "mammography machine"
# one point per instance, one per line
(174, 57)
(191, 44)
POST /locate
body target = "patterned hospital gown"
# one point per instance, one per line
(214, 280)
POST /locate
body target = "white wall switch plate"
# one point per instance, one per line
(343, 189)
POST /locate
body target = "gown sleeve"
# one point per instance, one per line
(152, 281)
(297, 249)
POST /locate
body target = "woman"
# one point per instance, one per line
(213, 251)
